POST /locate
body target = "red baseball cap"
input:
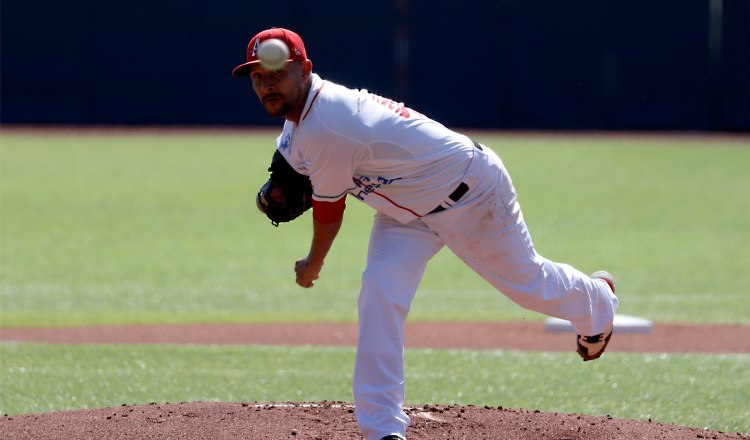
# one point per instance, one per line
(292, 40)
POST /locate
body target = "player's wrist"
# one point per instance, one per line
(315, 263)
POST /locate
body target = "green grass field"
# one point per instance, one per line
(681, 389)
(146, 227)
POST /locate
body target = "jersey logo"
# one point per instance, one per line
(284, 144)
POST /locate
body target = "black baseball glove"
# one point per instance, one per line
(286, 195)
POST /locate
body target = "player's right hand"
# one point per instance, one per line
(306, 273)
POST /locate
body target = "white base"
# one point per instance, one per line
(622, 324)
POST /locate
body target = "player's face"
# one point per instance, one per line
(280, 91)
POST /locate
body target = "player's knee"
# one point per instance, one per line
(387, 287)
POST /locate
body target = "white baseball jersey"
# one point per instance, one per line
(391, 157)
(405, 165)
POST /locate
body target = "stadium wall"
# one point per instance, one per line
(499, 64)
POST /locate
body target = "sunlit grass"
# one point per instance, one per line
(149, 227)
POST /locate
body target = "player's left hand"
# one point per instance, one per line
(306, 272)
(286, 195)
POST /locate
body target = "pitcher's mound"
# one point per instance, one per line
(329, 421)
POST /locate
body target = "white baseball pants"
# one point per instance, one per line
(486, 230)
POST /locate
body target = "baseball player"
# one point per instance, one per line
(431, 187)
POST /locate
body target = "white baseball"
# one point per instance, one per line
(273, 54)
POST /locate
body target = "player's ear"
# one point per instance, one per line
(306, 68)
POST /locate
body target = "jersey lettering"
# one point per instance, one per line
(366, 185)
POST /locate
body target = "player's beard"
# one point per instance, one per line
(276, 111)
(281, 112)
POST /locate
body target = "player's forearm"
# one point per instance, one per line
(323, 236)
(327, 219)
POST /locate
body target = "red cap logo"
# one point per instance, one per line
(292, 40)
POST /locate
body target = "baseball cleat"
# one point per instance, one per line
(591, 347)
(392, 437)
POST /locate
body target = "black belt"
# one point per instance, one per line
(459, 192)
(455, 196)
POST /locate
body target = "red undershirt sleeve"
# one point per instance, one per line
(329, 212)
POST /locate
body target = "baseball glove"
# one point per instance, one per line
(286, 195)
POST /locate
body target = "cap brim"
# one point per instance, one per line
(243, 69)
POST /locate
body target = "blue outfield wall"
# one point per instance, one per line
(505, 64)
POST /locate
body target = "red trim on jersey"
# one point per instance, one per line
(329, 212)
(312, 102)
(396, 204)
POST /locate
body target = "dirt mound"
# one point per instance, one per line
(329, 421)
